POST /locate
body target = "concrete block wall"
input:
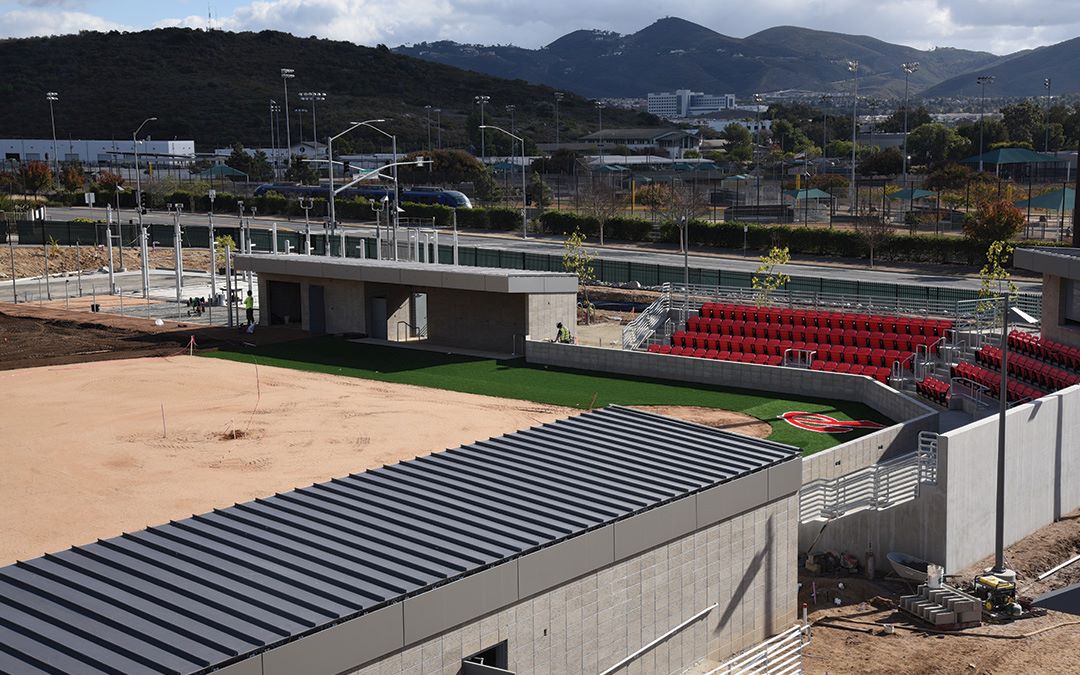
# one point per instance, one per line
(1042, 474)
(344, 302)
(746, 565)
(493, 319)
(545, 311)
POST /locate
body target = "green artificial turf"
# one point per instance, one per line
(575, 389)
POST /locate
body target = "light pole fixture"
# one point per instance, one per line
(908, 69)
(286, 75)
(138, 189)
(600, 105)
(330, 163)
(274, 110)
(853, 67)
(482, 101)
(419, 162)
(1007, 312)
(558, 97)
(397, 207)
(825, 100)
(51, 96)
(758, 101)
(1046, 115)
(427, 118)
(438, 128)
(982, 81)
(524, 204)
(313, 97)
(300, 121)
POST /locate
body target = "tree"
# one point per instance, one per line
(993, 220)
(994, 277)
(107, 180)
(740, 144)
(1023, 122)
(685, 203)
(561, 162)
(933, 144)
(72, 176)
(894, 123)
(538, 192)
(993, 131)
(220, 244)
(655, 197)
(873, 230)
(302, 173)
(576, 260)
(35, 176)
(598, 201)
(770, 278)
(239, 159)
(888, 162)
(949, 176)
(259, 167)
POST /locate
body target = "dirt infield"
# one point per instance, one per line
(726, 420)
(85, 454)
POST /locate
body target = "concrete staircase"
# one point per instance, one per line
(943, 607)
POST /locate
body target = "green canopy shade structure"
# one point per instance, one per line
(610, 168)
(1058, 200)
(222, 171)
(910, 195)
(812, 193)
(1011, 156)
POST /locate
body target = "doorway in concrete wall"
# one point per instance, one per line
(419, 329)
(491, 661)
(377, 325)
(284, 302)
(316, 309)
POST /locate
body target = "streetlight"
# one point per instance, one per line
(853, 67)
(482, 101)
(313, 97)
(138, 193)
(908, 69)
(1003, 406)
(524, 205)
(51, 96)
(419, 161)
(393, 141)
(982, 81)
(558, 97)
(330, 160)
(286, 75)
(1045, 145)
(427, 118)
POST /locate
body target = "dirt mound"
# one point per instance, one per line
(713, 417)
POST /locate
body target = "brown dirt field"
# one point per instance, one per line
(712, 417)
(30, 260)
(85, 456)
(849, 639)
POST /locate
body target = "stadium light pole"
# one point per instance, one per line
(313, 97)
(909, 68)
(1046, 115)
(138, 199)
(1003, 405)
(273, 137)
(853, 67)
(825, 100)
(286, 75)
(558, 97)
(330, 163)
(51, 96)
(427, 118)
(982, 81)
(482, 101)
(524, 203)
(300, 121)
(438, 128)
(600, 105)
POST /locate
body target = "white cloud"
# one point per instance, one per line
(30, 22)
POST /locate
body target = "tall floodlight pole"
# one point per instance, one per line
(908, 68)
(600, 105)
(481, 101)
(330, 163)
(438, 127)
(1046, 115)
(313, 97)
(758, 100)
(300, 122)
(524, 206)
(427, 118)
(138, 199)
(982, 80)
(273, 136)
(286, 75)
(825, 100)
(558, 97)
(51, 96)
(853, 67)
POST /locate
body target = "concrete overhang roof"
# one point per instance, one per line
(486, 279)
(1059, 262)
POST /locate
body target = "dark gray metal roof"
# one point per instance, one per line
(198, 593)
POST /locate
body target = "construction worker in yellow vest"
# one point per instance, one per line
(249, 308)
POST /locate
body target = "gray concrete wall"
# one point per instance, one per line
(492, 320)
(398, 306)
(1052, 325)
(545, 311)
(343, 300)
(746, 565)
(1042, 474)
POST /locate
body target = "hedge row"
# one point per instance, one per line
(564, 222)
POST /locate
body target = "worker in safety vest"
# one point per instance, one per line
(563, 334)
(249, 308)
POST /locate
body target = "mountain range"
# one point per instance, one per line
(675, 53)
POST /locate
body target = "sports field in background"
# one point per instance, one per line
(516, 379)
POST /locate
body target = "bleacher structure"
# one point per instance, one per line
(939, 352)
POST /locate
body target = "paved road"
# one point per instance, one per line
(925, 276)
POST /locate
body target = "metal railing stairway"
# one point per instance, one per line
(876, 487)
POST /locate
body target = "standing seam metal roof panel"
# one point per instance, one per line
(199, 593)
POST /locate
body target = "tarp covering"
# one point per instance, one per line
(812, 193)
(1058, 200)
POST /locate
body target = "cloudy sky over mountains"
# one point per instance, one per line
(999, 26)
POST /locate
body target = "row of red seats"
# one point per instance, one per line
(832, 336)
(836, 353)
(933, 389)
(1036, 345)
(1043, 374)
(1018, 391)
(878, 372)
(825, 319)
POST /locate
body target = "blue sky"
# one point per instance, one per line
(999, 26)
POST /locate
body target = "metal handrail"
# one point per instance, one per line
(417, 330)
(878, 486)
(635, 333)
(779, 655)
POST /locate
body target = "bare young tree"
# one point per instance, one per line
(684, 205)
(599, 201)
(873, 230)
